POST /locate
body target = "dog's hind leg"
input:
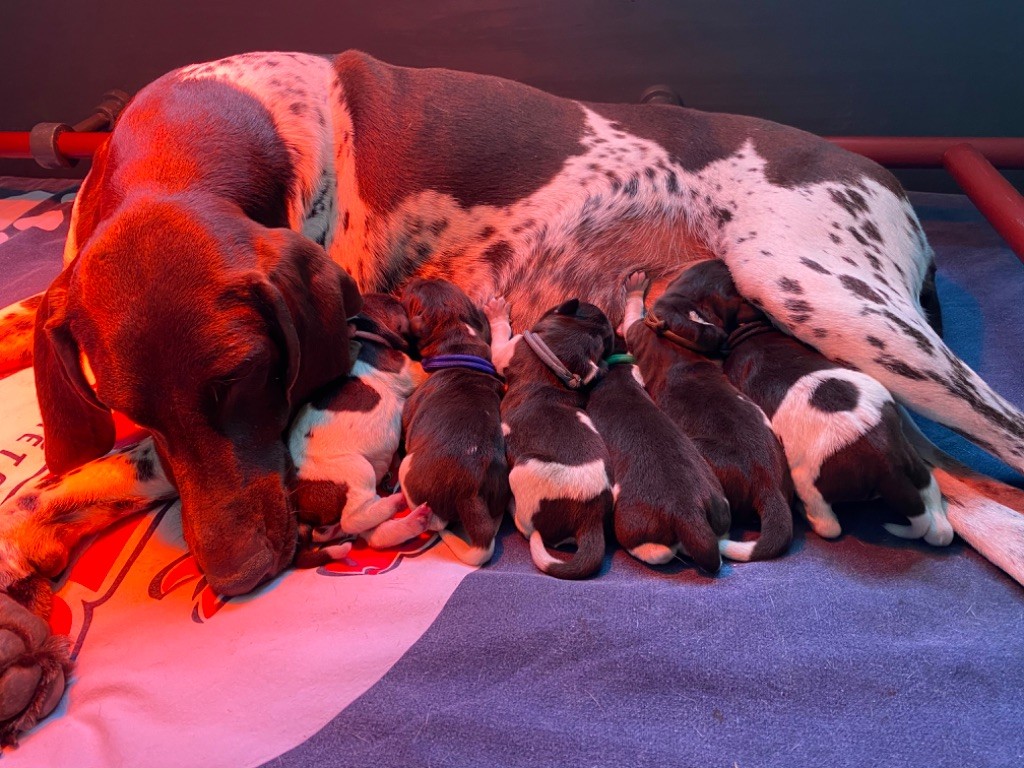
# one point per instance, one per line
(857, 317)
(17, 324)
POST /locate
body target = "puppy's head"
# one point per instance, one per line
(209, 330)
(442, 316)
(701, 307)
(579, 334)
(388, 315)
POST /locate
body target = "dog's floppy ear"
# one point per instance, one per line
(309, 299)
(77, 426)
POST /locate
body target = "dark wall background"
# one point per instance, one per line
(888, 67)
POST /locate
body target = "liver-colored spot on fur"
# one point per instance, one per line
(834, 395)
(434, 126)
(319, 502)
(498, 255)
(696, 139)
(858, 287)
(789, 285)
(355, 396)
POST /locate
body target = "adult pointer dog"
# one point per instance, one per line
(206, 277)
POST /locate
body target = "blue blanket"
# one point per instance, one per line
(867, 650)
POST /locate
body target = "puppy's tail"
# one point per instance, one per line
(16, 333)
(776, 530)
(700, 540)
(586, 561)
(988, 514)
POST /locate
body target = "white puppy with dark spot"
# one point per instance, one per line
(345, 440)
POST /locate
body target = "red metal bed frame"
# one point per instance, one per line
(971, 161)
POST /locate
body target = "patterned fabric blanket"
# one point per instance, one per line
(861, 651)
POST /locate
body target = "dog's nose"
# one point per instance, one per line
(262, 566)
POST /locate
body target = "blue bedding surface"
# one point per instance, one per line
(866, 650)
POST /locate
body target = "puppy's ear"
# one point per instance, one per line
(77, 426)
(570, 307)
(309, 299)
(696, 330)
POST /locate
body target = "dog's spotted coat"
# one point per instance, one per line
(506, 190)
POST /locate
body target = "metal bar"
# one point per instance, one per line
(990, 192)
(928, 151)
(893, 151)
(76, 146)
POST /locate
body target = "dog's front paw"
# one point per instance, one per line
(638, 282)
(496, 308)
(29, 545)
(34, 668)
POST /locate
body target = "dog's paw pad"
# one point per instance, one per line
(34, 667)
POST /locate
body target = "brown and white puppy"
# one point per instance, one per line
(455, 451)
(730, 431)
(667, 499)
(561, 474)
(840, 428)
(344, 441)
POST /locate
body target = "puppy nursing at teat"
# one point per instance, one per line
(840, 428)
(667, 501)
(560, 468)
(455, 451)
(730, 431)
(345, 440)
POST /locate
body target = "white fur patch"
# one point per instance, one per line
(533, 481)
(586, 422)
(810, 436)
(653, 554)
(635, 370)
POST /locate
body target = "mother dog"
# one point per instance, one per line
(202, 295)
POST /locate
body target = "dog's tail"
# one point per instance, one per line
(699, 537)
(988, 514)
(17, 324)
(586, 561)
(776, 529)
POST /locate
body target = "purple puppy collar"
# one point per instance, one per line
(468, 362)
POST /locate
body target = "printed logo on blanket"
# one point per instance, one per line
(159, 655)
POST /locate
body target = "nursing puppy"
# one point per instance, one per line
(455, 451)
(667, 498)
(730, 431)
(561, 471)
(344, 441)
(840, 428)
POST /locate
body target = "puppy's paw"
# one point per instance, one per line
(398, 530)
(34, 668)
(496, 308)
(638, 282)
